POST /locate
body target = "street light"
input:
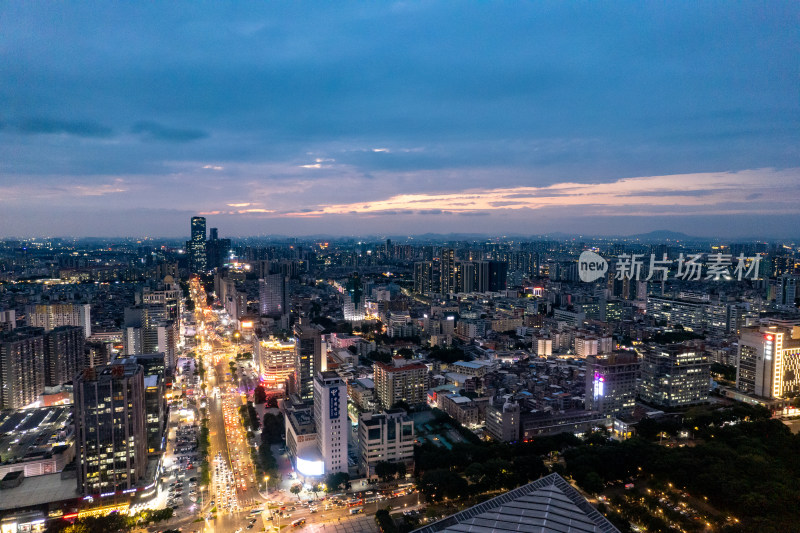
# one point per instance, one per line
(266, 484)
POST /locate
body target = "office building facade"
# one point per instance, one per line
(675, 375)
(769, 361)
(110, 428)
(387, 436)
(330, 416)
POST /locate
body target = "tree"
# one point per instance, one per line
(385, 470)
(592, 482)
(385, 522)
(442, 483)
(295, 489)
(406, 353)
(336, 481)
(315, 489)
(272, 429)
(259, 395)
(401, 404)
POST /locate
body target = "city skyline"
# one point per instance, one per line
(399, 118)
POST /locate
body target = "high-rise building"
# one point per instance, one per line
(330, 416)
(425, 278)
(147, 330)
(8, 319)
(308, 359)
(64, 356)
(155, 402)
(447, 271)
(272, 295)
(217, 250)
(50, 316)
(611, 383)
(388, 436)
(275, 360)
(466, 276)
(402, 380)
(167, 295)
(21, 367)
(786, 290)
(675, 375)
(769, 361)
(110, 428)
(196, 246)
(498, 276)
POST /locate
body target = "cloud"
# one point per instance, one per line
(63, 190)
(702, 193)
(212, 167)
(239, 205)
(152, 131)
(49, 126)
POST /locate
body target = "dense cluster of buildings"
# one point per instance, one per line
(362, 339)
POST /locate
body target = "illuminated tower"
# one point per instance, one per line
(196, 247)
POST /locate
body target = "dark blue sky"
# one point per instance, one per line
(408, 117)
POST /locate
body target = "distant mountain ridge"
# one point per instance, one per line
(664, 235)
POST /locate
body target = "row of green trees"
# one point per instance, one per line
(110, 523)
(203, 445)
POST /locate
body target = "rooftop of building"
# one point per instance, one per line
(548, 505)
(302, 422)
(457, 398)
(33, 433)
(468, 364)
(39, 490)
(120, 368)
(366, 383)
(410, 366)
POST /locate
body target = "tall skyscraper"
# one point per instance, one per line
(21, 367)
(308, 359)
(330, 416)
(498, 276)
(63, 355)
(196, 247)
(217, 250)
(110, 427)
(447, 271)
(425, 278)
